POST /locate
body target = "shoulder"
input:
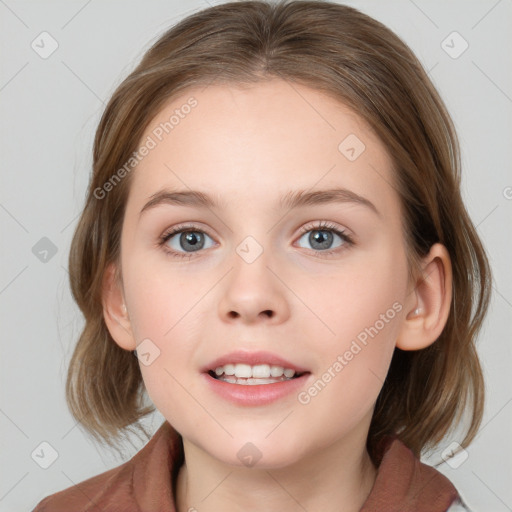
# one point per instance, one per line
(142, 483)
(114, 484)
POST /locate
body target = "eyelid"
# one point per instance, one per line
(323, 224)
(316, 224)
(184, 227)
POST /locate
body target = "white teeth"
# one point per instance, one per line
(276, 371)
(259, 371)
(262, 381)
(251, 382)
(229, 369)
(243, 370)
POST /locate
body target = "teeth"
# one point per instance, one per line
(276, 371)
(251, 382)
(243, 370)
(229, 369)
(259, 371)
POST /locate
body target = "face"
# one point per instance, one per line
(255, 281)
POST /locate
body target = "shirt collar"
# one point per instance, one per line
(403, 483)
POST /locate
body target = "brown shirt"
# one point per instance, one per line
(146, 482)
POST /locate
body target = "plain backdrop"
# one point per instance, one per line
(49, 109)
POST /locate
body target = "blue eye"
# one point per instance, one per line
(191, 239)
(321, 237)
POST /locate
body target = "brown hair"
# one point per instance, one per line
(357, 60)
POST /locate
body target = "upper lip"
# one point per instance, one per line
(252, 358)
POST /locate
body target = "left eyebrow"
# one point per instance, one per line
(290, 200)
(297, 198)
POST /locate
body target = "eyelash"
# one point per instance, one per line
(323, 226)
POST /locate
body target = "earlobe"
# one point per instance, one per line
(430, 302)
(115, 312)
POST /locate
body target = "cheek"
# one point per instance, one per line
(159, 303)
(366, 295)
(363, 309)
(162, 311)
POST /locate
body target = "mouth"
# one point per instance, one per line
(254, 375)
(247, 378)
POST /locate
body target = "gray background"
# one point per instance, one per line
(49, 110)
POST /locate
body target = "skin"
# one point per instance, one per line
(248, 146)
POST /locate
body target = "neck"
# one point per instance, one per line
(336, 478)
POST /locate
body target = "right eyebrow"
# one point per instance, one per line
(193, 198)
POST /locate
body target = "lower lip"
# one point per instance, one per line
(259, 394)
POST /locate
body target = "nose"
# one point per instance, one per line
(253, 292)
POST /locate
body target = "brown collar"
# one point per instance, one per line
(146, 483)
(403, 483)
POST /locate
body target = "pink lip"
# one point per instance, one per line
(252, 358)
(261, 394)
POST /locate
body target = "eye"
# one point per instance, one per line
(191, 239)
(321, 237)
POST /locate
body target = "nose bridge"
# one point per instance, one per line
(252, 288)
(250, 249)
(251, 274)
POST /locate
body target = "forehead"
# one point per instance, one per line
(252, 143)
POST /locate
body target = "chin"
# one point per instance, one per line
(259, 454)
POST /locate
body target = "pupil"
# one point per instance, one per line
(324, 238)
(193, 239)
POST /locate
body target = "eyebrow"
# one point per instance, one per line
(290, 200)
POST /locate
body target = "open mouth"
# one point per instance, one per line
(245, 374)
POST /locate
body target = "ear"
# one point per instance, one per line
(114, 310)
(429, 303)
